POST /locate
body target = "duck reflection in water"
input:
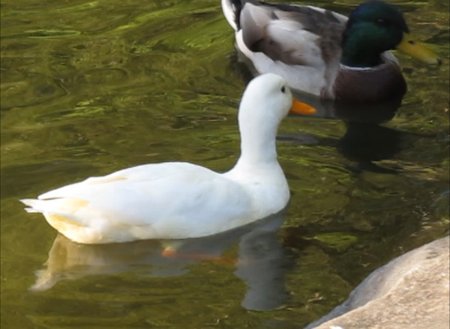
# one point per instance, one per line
(365, 140)
(261, 262)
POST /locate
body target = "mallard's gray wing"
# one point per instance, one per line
(295, 35)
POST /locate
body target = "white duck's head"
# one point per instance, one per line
(266, 101)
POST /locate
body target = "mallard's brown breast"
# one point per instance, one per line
(376, 84)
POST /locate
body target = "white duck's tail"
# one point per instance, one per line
(32, 205)
(231, 10)
(63, 208)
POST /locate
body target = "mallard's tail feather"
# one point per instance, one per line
(232, 9)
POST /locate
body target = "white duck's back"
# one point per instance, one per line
(167, 200)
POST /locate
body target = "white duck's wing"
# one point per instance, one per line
(168, 200)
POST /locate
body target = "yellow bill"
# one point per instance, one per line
(302, 108)
(417, 50)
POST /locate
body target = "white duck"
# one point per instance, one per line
(176, 200)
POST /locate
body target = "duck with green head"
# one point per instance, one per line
(325, 53)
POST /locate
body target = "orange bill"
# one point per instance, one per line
(302, 108)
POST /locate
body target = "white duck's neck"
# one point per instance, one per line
(258, 151)
(258, 139)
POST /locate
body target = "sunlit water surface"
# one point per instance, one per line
(89, 87)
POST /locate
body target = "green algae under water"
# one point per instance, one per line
(92, 87)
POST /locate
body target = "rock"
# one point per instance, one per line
(411, 291)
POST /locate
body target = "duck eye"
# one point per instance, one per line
(283, 89)
(382, 22)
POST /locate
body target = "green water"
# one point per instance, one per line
(92, 87)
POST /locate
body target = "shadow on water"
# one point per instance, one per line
(365, 143)
(365, 140)
(261, 262)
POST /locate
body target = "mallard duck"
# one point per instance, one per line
(177, 200)
(323, 53)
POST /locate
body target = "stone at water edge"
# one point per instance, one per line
(411, 291)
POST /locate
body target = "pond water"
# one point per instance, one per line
(89, 87)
